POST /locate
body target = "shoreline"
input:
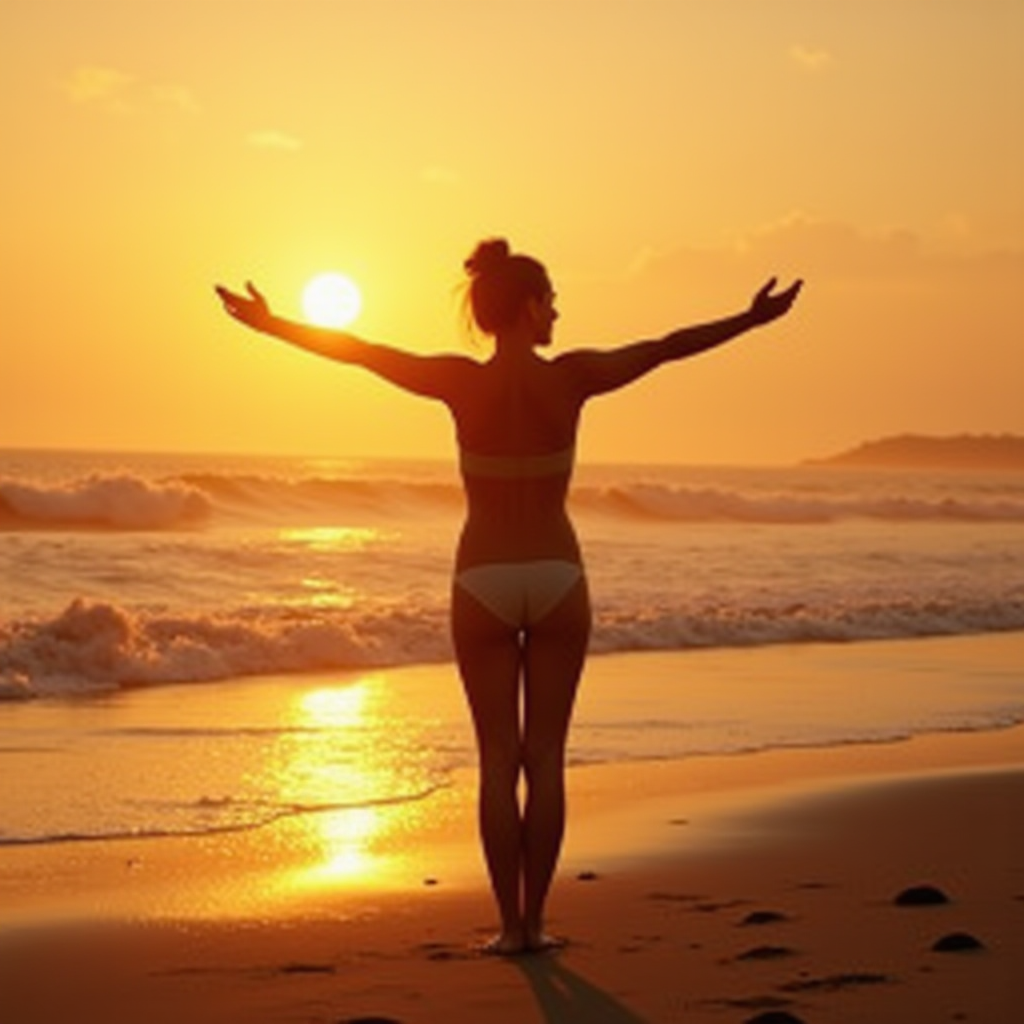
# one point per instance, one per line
(662, 865)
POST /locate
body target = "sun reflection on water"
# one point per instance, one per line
(339, 761)
(331, 538)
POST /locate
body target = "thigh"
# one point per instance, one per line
(489, 657)
(554, 653)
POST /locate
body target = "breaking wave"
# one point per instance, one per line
(96, 502)
(127, 502)
(97, 646)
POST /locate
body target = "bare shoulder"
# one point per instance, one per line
(575, 361)
(578, 366)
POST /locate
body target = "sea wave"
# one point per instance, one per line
(120, 502)
(249, 495)
(131, 502)
(716, 505)
(209, 817)
(97, 646)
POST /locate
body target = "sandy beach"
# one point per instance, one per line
(719, 888)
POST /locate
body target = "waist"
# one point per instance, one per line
(485, 541)
(517, 467)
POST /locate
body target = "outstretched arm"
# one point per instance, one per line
(599, 372)
(431, 376)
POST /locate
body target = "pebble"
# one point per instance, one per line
(957, 942)
(921, 896)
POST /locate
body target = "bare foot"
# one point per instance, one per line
(543, 943)
(505, 944)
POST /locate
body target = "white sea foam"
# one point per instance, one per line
(124, 501)
(95, 646)
(116, 502)
(119, 572)
(156, 763)
(689, 505)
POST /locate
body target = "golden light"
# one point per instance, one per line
(331, 300)
(331, 538)
(344, 844)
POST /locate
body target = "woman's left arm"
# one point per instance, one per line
(600, 372)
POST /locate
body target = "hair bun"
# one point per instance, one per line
(488, 255)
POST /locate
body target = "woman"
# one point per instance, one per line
(520, 612)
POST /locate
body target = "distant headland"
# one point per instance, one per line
(915, 451)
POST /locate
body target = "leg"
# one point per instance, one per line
(490, 663)
(555, 650)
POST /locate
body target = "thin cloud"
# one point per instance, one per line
(273, 139)
(120, 92)
(98, 85)
(833, 251)
(811, 59)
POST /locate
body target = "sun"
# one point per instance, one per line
(331, 300)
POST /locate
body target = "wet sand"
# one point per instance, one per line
(718, 889)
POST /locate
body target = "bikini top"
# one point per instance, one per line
(517, 467)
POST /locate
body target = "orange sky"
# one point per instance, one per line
(661, 156)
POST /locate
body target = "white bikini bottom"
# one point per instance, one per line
(520, 593)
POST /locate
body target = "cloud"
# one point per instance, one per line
(811, 59)
(120, 92)
(100, 85)
(843, 251)
(839, 257)
(270, 138)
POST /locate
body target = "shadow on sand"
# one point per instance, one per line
(565, 997)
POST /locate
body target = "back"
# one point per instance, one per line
(516, 425)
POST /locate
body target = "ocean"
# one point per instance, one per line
(253, 635)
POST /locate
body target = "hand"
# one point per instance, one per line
(251, 310)
(768, 306)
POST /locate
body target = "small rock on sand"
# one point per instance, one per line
(957, 942)
(921, 896)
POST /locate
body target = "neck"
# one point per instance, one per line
(514, 345)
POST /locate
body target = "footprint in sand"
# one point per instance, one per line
(306, 969)
(837, 982)
(760, 917)
(767, 953)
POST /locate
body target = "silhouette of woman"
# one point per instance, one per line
(520, 611)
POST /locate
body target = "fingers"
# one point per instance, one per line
(249, 309)
(229, 298)
(787, 296)
(234, 304)
(226, 294)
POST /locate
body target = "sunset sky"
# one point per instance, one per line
(662, 157)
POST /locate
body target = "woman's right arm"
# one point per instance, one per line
(600, 372)
(429, 376)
